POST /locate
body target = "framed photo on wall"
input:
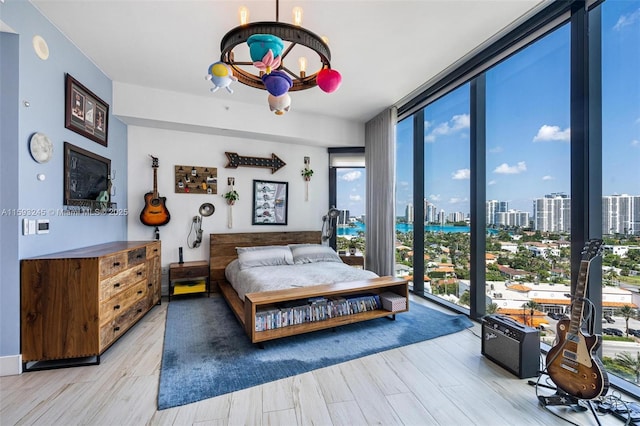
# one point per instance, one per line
(84, 112)
(270, 202)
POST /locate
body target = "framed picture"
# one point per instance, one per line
(84, 112)
(270, 202)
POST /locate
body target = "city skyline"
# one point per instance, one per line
(528, 127)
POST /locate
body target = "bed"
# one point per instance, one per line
(249, 302)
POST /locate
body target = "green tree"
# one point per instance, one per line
(465, 298)
(629, 361)
(531, 306)
(627, 312)
(492, 308)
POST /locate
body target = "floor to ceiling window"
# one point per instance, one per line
(528, 182)
(446, 197)
(348, 174)
(620, 29)
(405, 210)
(548, 111)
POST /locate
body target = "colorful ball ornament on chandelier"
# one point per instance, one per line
(329, 80)
(260, 44)
(277, 83)
(268, 63)
(220, 75)
(279, 104)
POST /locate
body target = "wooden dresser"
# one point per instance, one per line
(76, 303)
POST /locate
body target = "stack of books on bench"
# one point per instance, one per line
(314, 309)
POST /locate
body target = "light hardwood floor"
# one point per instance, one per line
(444, 381)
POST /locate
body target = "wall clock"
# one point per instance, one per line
(40, 147)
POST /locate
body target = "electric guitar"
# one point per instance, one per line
(155, 211)
(572, 363)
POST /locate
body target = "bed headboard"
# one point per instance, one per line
(222, 247)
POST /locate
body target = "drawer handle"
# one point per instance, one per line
(116, 328)
(139, 256)
(139, 291)
(116, 263)
(155, 250)
(150, 285)
(116, 307)
(139, 310)
(139, 273)
(116, 285)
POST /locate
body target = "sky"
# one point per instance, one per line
(528, 126)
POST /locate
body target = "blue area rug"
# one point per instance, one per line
(206, 353)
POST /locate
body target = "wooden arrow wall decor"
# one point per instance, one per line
(274, 163)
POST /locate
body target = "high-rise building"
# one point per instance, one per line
(344, 217)
(430, 212)
(552, 213)
(621, 214)
(409, 213)
(494, 207)
(512, 218)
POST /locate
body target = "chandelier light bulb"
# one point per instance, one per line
(243, 12)
(297, 16)
(302, 62)
(325, 39)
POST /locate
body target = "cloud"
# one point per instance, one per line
(355, 197)
(434, 198)
(351, 176)
(403, 184)
(547, 177)
(457, 200)
(495, 149)
(492, 182)
(552, 133)
(635, 143)
(458, 122)
(506, 169)
(626, 20)
(461, 174)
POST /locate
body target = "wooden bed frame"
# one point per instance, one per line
(223, 251)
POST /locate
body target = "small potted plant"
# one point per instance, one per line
(307, 173)
(231, 197)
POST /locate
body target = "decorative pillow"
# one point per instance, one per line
(251, 257)
(312, 253)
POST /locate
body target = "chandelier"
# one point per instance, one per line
(270, 43)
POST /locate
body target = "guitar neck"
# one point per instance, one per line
(579, 295)
(155, 182)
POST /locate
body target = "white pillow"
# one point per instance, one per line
(251, 257)
(313, 253)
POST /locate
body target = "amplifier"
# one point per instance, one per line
(511, 345)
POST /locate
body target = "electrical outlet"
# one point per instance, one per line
(164, 270)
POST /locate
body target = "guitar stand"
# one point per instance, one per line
(561, 398)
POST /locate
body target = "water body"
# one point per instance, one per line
(404, 228)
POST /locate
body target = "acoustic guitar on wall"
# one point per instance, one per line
(155, 211)
(572, 363)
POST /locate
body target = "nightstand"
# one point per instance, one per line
(354, 260)
(189, 278)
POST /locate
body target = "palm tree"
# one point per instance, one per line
(492, 308)
(531, 305)
(627, 312)
(629, 361)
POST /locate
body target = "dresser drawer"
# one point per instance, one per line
(121, 323)
(119, 303)
(189, 272)
(136, 256)
(113, 264)
(153, 250)
(120, 282)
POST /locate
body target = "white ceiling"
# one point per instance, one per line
(383, 49)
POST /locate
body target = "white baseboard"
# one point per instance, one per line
(10, 365)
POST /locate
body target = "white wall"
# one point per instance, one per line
(197, 149)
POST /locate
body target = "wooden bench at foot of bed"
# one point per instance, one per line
(246, 311)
